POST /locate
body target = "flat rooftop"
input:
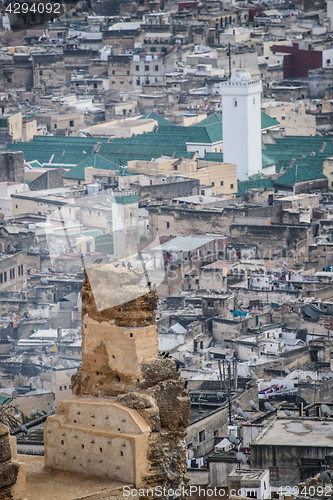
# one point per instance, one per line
(46, 484)
(298, 432)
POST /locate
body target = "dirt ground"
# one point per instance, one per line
(44, 484)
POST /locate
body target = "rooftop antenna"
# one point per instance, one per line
(268, 406)
(253, 405)
(325, 477)
(326, 410)
(241, 458)
(229, 53)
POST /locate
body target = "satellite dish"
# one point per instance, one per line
(17, 415)
(268, 406)
(277, 264)
(219, 395)
(24, 429)
(247, 415)
(33, 411)
(276, 406)
(288, 413)
(241, 457)
(233, 439)
(253, 405)
(287, 371)
(326, 410)
(325, 477)
(240, 411)
(254, 359)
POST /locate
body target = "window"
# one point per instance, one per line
(213, 184)
(216, 433)
(138, 82)
(254, 100)
(283, 117)
(235, 103)
(71, 123)
(168, 225)
(146, 67)
(156, 68)
(128, 72)
(201, 436)
(231, 186)
(5, 276)
(55, 125)
(137, 68)
(95, 85)
(65, 387)
(113, 72)
(60, 388)
(221, 183)
(41, 73)
(1, 278)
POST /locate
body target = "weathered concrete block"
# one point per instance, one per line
(8, 473)
(174, 404)
(158, 369)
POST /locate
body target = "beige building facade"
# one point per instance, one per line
(222, 177)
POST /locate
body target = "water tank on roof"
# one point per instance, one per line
(93, 188)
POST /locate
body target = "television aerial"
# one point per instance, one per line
(288, 413)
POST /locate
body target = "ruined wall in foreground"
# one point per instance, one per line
(128, 418)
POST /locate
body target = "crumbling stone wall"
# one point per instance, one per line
(8, 469)
(120, 359)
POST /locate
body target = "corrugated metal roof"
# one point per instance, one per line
(185, 243)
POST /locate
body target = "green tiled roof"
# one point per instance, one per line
(210, 120)
(94, 160)
(266, 160)
(268, 121)
(298, 173)
(160, 120)
(292, 151)
(264, 183)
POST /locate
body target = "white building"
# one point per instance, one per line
(241, 121)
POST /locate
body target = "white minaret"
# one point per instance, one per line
(241, 122)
